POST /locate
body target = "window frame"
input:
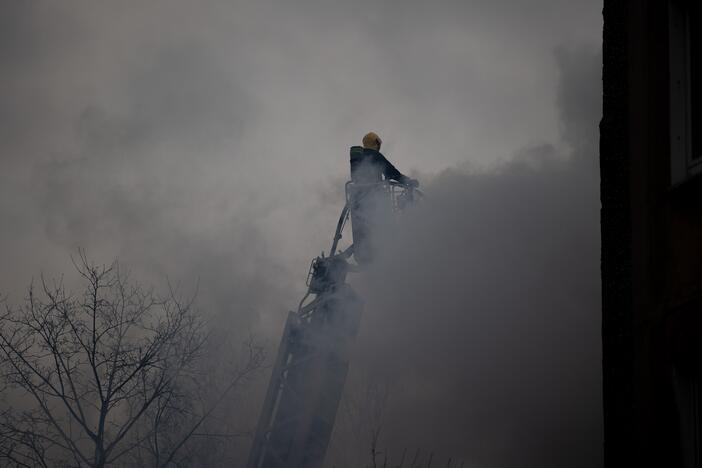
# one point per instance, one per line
(682, 164)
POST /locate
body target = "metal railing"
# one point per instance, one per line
(400, 195)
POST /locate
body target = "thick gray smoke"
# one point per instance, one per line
(481, 330)
(209, 142)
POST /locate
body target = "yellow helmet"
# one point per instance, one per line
(372, 140)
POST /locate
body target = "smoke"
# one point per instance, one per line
(208, 143)
(482, 313)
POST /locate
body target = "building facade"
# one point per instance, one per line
(651, 225)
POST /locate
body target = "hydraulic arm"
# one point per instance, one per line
(309, 373)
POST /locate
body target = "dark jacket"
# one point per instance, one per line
(369, 165)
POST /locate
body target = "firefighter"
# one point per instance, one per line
(368, 165)
(370, 204)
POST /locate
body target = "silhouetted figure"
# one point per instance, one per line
(368, 165)
(370, 201)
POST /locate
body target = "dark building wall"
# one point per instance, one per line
(651, 244)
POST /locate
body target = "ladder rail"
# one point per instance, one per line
(309, 373)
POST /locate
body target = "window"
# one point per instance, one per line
(694, 26)
(685, 51)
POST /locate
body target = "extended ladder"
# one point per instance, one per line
(309, 373)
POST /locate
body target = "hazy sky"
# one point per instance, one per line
(210, 140)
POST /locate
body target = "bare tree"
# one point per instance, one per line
(359, 422)
(108, 377)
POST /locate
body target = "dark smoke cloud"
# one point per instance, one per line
(482, 316)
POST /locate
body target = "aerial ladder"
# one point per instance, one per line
(309, 373)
